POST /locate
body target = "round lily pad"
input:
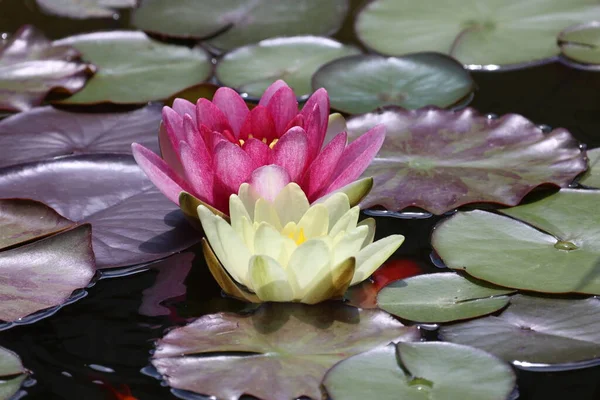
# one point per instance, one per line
(133, 68)
(591, 178)
(46, 132)
(12, 373)
(82, 9)
(238, 23)
(480, 34)
(288, 348)
(551, 245)
(362, 83)
(251, 69)
(133, 221)
(536, 332)
(421, 371)
(581, 43)
(439, 160)
(441, 297)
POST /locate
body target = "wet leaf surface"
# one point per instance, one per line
(581, 43)
(12, 373)
(480, 34)
(421, 371)
(363, 83)
(46, 132)
(591, 178)
(535, 331)
(439, 160)
(31, 66)
(132, 221)
(82, 9)
(133, 68)
(289, 346)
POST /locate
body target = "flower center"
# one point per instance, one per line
(264, 140)
(298, 236)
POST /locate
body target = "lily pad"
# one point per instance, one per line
(482, 35)
(133, 68)
(536, 332)
(251, 69)
(581, 45)
(31, 66)
(439, 160)
(82, 9)
(421, 371)
(12, 373)
(362, 83)
(591, 178)
(46, 132)
(551, 245)
(289, 348)
(133, 221)
(239, 23)
(442, 297)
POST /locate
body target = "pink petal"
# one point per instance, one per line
(174, 124)
(356, 158)
(258, 152)
(167, 150)
(316, 125)
(269, 180)
(259, 124)
(231, 165)
(183, 107)
(165, 179)
(283, 106)
(291, 152)
(233, 106)
(210, 115)
(298, 120)
(319, 172)
(198, 172)
(270, 91)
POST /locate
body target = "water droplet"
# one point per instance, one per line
(565, 245)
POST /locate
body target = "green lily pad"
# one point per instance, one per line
(12, 373)
(551, 245)
(362, 83)
(239, 23)
(536, 332)
(439, 160)
(591, 178)
(289, 349)
(133, 68)
(442, 297)
(82, 9)
(421, 371)
(581, 43)
(251, 69)
(480, 34)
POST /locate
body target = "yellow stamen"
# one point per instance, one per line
(264, 140)
(298, 236)
(242, 142)
(273, 143)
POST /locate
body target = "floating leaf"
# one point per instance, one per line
(550, 245)
(82, 9)
(581, 43)
(12, 373)
(591, 178)
(46, 132)
(204, 90)
(480, 34)
(289, 346)
(421, 371)
(133, 68)
(534, 331)
(239, 23)
(362, 83)
(439, 160)
(31, 66)
(133, 222)
(442, 297)
(251, 69)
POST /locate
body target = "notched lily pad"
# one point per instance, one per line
(536, 332)
(591, 178)
(581, 43)
(550, 245)
(289, 348)
(134, 69)
(362, 83)
(133, 221)
(46, 132)
(12, 373)
(421, 371)
(442, 297)
(31, 67)
(439, 160)
(83, 9)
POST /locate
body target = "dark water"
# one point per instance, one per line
(104, 340)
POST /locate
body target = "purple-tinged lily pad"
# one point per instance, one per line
(290, 348)
(83, 9)
(12, 373)
(133, 222)
(46, 132)
(439, 160)
(31, 66)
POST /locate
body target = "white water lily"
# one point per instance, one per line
(283, 249)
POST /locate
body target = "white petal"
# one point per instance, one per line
(337, 205)
(315, 222)
(269, 280)
(310, 259)
(264, 211)
(248, 233)
(370, 223)
(237, 211)
(331, 283)
(371, 257)
(291, 204)
(350, 244)
(248, 196)
(269, 242)
(347, 222)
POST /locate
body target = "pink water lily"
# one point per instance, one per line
(211, 148)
